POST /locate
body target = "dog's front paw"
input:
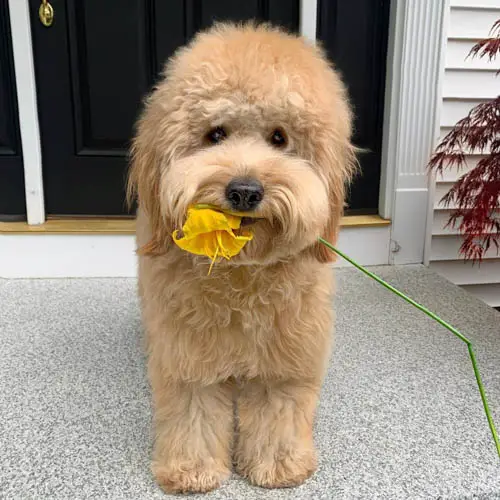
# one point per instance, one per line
(189, 477)
(284, 470)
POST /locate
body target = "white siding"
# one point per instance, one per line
(466, 83)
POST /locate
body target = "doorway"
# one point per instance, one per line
(99, 58)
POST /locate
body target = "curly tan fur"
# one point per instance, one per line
(257, 329)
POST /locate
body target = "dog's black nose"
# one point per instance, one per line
(244, 194)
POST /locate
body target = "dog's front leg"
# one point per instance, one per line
(275, 444)
(194, 428)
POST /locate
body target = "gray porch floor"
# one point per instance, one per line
(400, 415)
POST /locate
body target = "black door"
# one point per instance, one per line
(12, 204)
(354, 33)
(93, 66)
(98, 59)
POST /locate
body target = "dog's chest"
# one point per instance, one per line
(248, 307)
(232, 326)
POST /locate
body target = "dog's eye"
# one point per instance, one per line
(216, 135)
(278, 138)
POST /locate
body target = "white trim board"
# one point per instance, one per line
(413, 95)
(67, 256)
(308, 19)
(85, 256)
(28, 111)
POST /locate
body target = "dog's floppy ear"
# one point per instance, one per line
(336, 157)
(340, 161)
(144, 183)
(333, 153)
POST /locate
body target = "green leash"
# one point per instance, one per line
(441, 322)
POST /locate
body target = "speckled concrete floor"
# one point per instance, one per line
(399, 417)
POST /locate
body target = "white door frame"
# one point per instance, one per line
(415, 71)
(28, 111)
(309, 18)
(414, 67)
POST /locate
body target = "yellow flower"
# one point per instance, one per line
(212, 233)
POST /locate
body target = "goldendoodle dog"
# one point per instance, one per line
(249, 118)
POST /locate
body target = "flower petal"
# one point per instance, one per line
(210, 232)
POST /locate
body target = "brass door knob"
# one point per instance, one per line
(46, 13)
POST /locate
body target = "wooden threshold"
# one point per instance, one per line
(127, 226)
(72, 226)
(364, 221)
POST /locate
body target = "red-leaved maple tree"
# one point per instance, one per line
(476, 193)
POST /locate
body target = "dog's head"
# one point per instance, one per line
(252, 119)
